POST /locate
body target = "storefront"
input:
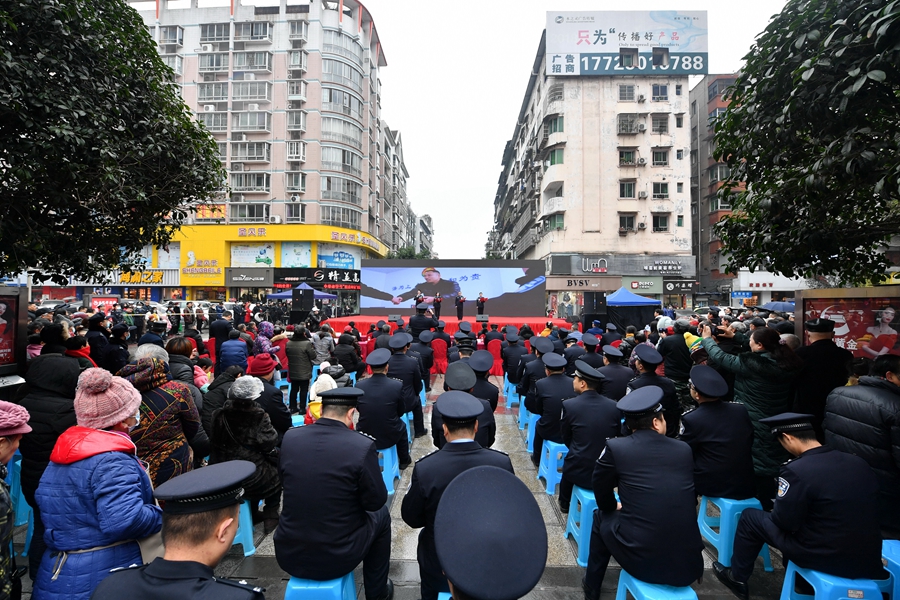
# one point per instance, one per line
(679, 292)
(567, 296)
(756, 289)
(343, 283)
(249, 284)
(157, 285)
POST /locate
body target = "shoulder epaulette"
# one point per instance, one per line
(432, 453)
(365, 434)
(128, 568)
(688, 412)
(497, 451)
(239, 584)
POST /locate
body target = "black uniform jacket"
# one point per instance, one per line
(670, 404)
(656, 530)
(549, 395)
(617, 378)
(594, 359)
(405, 369)
(511, 356)
(380, 409)
(571, 354)
(173, 579)
(332, 482)
(588, 420)
(532, 373)
(520, 371)
(426, 354)
(825, 367)
(272, 401)
(485, 390)
(420, 323)
(487, 427)
(720, 435)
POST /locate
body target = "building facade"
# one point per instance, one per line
(292, 95)
(595, 178)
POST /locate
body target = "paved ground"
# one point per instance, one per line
(561, 579)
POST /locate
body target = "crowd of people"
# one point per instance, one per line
(163, 432)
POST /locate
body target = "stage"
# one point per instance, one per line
(363, 321)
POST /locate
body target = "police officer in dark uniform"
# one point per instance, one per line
(420, 322)
(720, 435)
(612, 334)
(401, 326)
(825, 516)
(712, 315)
(654, 535)
(382, 406)
(825, 367)
(503, 561)
(461, 378)
(493, 334)
(587, 421)
(617, 375)
(591, 356)
(205, 500)
(329, 469)
(481, 362)
(533, 370)
(440, 333)
(572, 353)
(378, 328)
(425, 353)
(460, 302)
(595, 328)
(548, 398)
(433, 473)
(511, 356)
(648, 359)
(406, 370)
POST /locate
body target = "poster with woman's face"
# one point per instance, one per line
(868, 327)
(8, 316)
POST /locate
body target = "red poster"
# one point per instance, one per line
(866, 326)
(8, 324)
(103, 303)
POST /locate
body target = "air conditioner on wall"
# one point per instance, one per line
(642, 161)
(642, 194)
(642, 226)
(206, 48)
(237, 197)
(275, 219)
(295, 198)
(253, 107)
(209, 107)
(642, 127)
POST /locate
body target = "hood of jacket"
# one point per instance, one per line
(78, 443)
(266, 329)
(54, 373)
(878, 382)
(146, 373)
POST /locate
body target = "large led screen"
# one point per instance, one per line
(513, 288)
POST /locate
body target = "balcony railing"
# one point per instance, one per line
(345, 81)
(340, 50)
(251, 121)
(296, 120)
(342, 196)
(340, 108)
(297, 90)
(342, 167)
(211, 63)
(340, 137)
(299, 30)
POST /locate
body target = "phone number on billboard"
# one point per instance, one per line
(600, 64)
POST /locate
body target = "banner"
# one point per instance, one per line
(253, 255)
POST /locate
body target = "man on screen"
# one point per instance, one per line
(433, 287)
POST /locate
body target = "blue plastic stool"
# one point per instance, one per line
(723, 541)
(532, 422)
(244, 535)
(641, 590)
(445, 596)
(523, 415)
(353, 377)
(509, 391)
(283, 384)
(890, 553)
(580, 521)
(390, 467)
(297, 420)
(550, 467)
(422, 395)
(308, 589)
(828, 587)
(407, 419)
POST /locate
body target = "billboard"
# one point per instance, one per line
(658, 42)
(867, 326)
(514, 288)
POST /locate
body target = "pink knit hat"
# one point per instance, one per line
(13, 419)
(102, 400)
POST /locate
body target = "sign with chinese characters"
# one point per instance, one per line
(665, 266)
(253, 255)
(317, 278)
(252, 232)
(154, 277)
(644, 285)
(342, 236)
(296, 254)
(742, 295)
(681, 286)
(338, 256)
(249, 278)
(671, 265)
(627, 43)
(868, 327)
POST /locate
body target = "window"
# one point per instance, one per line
(338, 159)
(627, 157)
(252, 61)
(336, 42)
(296, 151)
(719, 173)
(174, 62)
(714, 116)
(556, 156)
(212, 92)
(295, 213)
(680, 221)
(297, 59)
(626, 222)
(660, 223)
(342, 73)
(660, 57)
(555, 222)
(679, 121)
(252, 181)
(342, 102)
(296, 120)
(295, 181)
(339, 130)
(341, 217)
(250, 151)
(660, 158)
(679, 154)
(171, 34)
(660, 92)
(660, 190)
(213, 62)
(679, 187)
(626, 93)
(299, 30)
(223, 149)
(660, 123)
(626, 189)
(555, 92)
(627, 123)
(251, 90)
(555, 125)
(214, 32)
(341, 188)
(256, 31)
(214, 121)
(716, 203)
(250, 121)
(249, 213)
(677, 89)
(694, 107)
(718, 86)
(628, 57)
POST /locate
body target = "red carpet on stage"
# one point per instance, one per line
(363, 321)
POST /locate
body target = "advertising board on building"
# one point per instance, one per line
(331, 279)
(665, 42)
(669, 266)
(681, 286)
(249, 278)
(644, 285)
(253, 255)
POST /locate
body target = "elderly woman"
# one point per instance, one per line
(169, 417)
(95, 498)
(301, 355)
(323, 342)
(264, 342)
(241, 430)
(181, 366)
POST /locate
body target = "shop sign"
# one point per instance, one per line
(600, 265)
(587, 284)
(682, 267)
(341, 236)
(341, 286)
(681, 286)
(145, 277)
(251, 232)
(248, 277)
(742, 295)
(649, 285)
(665, 266)
(286, 278)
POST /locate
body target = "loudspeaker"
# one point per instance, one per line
(482, 318)
(394, 318)
(302, 300)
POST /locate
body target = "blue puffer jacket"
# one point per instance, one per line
(94, 493)
(233, 352)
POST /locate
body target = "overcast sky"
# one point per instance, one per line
(455, 81)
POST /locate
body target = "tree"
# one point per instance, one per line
(99, 154)
(409, 253)
(813, 129)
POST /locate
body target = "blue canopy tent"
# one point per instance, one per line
(625, 308)
(288, 294)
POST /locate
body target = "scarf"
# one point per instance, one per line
(84, 352)
(146, 374)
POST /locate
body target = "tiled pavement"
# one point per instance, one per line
(562, 576)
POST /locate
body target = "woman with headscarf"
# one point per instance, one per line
(95, 498)
(263, 344)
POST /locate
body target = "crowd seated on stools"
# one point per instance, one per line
(95, 442)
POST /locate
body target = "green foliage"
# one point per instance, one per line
(409, 253)
(99, 154)
(814, 129)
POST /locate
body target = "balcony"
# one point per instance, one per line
(254, 152)
(342, 196)
(552, 206)
(214, 62)
(296, 120)
(342, 138)
(216, 122)
(259, 32)
(344, 110)
(341, 80)
(248, 212)
(295, 181)
(294, 213)
(299, 31)
(252, 91)
(345, 52)
(171, 35)
(297, 60)
(251, 122)
(251, 182)
(253, 61)
(296, 151)
(341, 168)
(297, 90)
(174, 62)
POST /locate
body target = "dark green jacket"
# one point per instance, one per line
(766, 390)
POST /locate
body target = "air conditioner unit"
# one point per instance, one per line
(641, 98)
(249, 76)
(642, 127)
(295, 198)
(642, 194)
(275, 219)
(642, 226)
(242, 137)
(206, 48)
(642, 161)
(237, 197)
(236, 166)
(253, 107)
(209, 107)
